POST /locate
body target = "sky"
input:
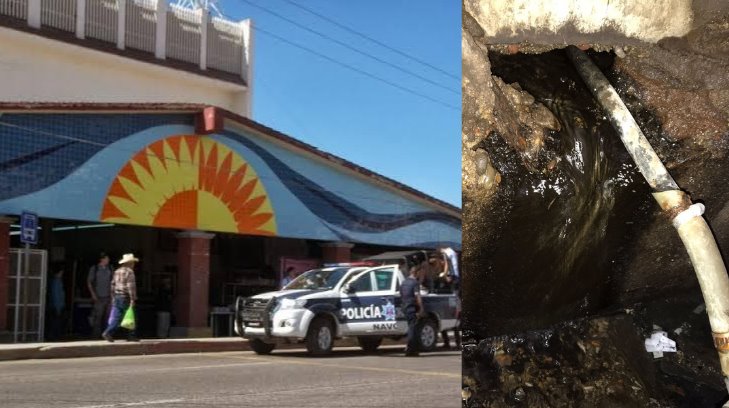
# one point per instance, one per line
(403, 136)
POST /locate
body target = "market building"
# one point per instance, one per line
(215, 204)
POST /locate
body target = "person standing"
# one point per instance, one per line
(450, 280)
(290, 276)
(451, 258)
(57, 295)
(99, 283)
(412, 306)
(124, 292)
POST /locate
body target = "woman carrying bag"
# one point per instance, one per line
(124, 291)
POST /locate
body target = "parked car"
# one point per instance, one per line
(325, 304)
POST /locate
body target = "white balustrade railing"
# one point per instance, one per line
(102, 19)
(59, 14)
(183, 34)
(225, 46)
(14, 8)
(141, 25)
(151, 26)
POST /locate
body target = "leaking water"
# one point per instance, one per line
(559, 231)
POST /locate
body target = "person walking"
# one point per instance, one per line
(99, 282)
(124, 290)
(412, 306)
(57, 295)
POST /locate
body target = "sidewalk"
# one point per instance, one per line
(103, 348)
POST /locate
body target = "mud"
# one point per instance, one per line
(557, 218)
(598, 362)
(560, 228)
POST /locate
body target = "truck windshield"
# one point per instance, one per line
(318, 279)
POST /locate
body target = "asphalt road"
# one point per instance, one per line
(348, 378)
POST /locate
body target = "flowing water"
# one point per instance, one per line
(557, 235)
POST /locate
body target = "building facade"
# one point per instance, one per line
(123, 51)
(125, 126)
(209, 175)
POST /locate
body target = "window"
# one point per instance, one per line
(363, 283)
(383, 278)
(318, 279)
(380, 279)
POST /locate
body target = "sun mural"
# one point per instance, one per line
(190, 182)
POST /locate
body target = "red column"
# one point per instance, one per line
(4, 270)
(336, 252)
(193, 283)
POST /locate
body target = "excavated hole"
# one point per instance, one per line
(550, 320)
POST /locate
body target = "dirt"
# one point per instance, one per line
(550, 194)
(561, 234)
(598, 362)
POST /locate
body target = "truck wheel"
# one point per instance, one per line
(320, 337)
(427, 332)
(369, 344)
(261, 347)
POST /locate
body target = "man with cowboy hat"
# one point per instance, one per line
(124, 291)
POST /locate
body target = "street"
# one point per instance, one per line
(287, 378)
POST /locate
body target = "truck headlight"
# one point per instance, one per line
(292, 304)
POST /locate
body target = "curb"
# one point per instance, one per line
(120, 348)
(144, 347)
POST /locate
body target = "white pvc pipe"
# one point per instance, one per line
(711, 273)
(687, 219)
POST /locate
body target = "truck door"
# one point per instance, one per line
(369, 307)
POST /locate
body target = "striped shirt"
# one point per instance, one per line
(123, 283)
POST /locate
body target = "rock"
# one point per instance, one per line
(518, 395)
(466, 393)
(503, 360)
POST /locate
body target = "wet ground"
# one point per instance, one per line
(599, 362)
(561, 235)
(567, 200)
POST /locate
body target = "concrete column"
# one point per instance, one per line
(34, 13)
(204, 18)
(81, 19)
(160, 48)
(193, 284)
(336, 252)
(4, 270)
(121, 27)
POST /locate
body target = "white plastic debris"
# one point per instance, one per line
(700, 309)
(658, 343)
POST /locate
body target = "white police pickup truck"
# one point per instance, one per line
(333, 302)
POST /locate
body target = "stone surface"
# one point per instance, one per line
(599, 362)
(581, 20)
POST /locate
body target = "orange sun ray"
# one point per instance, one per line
(221, 181)
(233, 183)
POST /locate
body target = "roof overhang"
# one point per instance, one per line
(211, 119)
